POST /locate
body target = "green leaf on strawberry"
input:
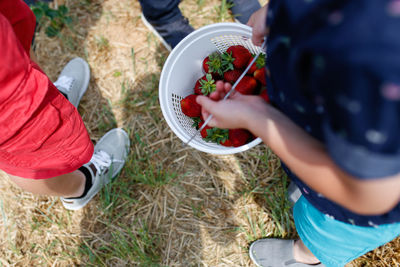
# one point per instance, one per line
(207, 86)
(260, 62)
(227, 61)
(196, 122)
(215, 63)
(217, 135)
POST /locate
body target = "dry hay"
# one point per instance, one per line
(205, 216)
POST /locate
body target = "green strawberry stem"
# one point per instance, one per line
(207, 86)
(260, 62)
(217, 135)
(215, 63)
(196, 122)
(227, 61)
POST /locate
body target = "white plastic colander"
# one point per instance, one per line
(184, 67)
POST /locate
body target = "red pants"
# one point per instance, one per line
(41, 133)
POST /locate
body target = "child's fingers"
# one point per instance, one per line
(212, 122)
(227, 87)
(221, 90)
(206, 103)
(258, 37)
(257, 22)
(219, 85)
(215, 96)
(205, 114)
(257, 40)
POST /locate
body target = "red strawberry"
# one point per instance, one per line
(253, 67)
(227, 142)
(190, 107)
(231, 76)
(203, 132)
(260, 63)
(240, 54)
(239, 137)
(264, 94)
(259, 74)
(205, 85)
(247, 85)
(213, 64)
(206, 68)
(197, 89)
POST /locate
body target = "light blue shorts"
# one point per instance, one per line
(336, 243)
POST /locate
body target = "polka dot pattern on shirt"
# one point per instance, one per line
(338, 80)
(335, 18)
(375, 136)
(391, 91)
(351, 105)
(393, 8)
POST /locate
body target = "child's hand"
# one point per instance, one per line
(258, 22)
(238, 111)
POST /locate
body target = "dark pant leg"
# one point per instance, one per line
(243, 9)
(161, 11)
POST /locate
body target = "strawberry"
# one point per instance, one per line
(213, 64)
(196, 122)
(240, 54)
(227, 61)
(239, 137)
(206, 68)
(264, 94)
(205, 85)
(247, 85)
(259, 74)
(197, 89)
(260, 63)
(231, 76)
(227, 142)
(190, 107)
(215, 134)
(253, 67)
(203, 132)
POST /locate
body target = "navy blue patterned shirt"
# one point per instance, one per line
(335, 71)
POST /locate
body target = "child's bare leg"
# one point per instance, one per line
(302, 254)
(67, 185)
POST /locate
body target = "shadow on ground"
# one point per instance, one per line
(172, 205)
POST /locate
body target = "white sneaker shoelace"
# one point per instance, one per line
(64, 82)
(102, 161)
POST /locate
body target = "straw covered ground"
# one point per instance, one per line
(171, 205)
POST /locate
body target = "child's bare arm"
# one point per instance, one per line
(309, 160)
(303, 154)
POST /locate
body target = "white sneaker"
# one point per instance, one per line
(107, 161)
(74, 80)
